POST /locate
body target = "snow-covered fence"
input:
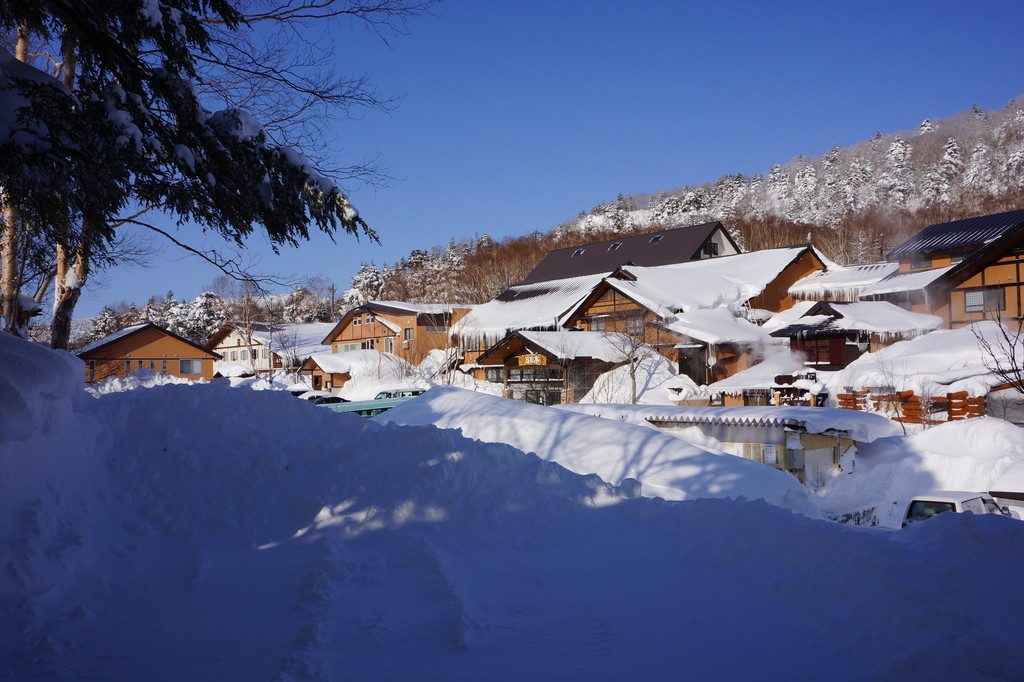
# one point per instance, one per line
(910, 408)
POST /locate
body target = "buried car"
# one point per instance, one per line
(940, 501)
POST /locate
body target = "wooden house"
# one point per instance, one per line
(565, 276)
(962, 271)
(550, 368)
(326, 371)
(832, 334)
(146, 347)
(409, 331)
(701, 315)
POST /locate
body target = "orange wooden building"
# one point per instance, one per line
(407, 330)
(146, 347)
(963, 271)
(700, 315)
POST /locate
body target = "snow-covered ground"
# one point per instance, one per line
(209, 532)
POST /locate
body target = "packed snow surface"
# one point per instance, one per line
(664, 466)
(944, 361)
(185, 532)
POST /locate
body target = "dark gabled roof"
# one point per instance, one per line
(132, 330)
(676, 245)
(959, 235)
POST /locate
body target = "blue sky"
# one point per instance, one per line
(517, 116)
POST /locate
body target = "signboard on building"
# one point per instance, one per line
(532, 360)
(771, 453)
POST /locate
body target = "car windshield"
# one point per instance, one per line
(922, 509)
(990, 506)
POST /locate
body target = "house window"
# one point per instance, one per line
(711, 249)
(152, 365)
(920, 262)
(597, 324)
(543, 397)
(437, 329)
(140, 364)
(534, 374)
(345, 347)
(163, 366)
(187, 366)
(983, 300)
(252, 353)
(409, 333)
(818, 351)
(127, 367)
(957, 258)
(234, 356)
(656, 238)
(369, 344)
(614, 246)
(389, 345)
(92, 371)
(357, 320)
(496, 375)
(577, 252)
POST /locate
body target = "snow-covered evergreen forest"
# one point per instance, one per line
(855, 203)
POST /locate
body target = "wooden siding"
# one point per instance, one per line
(419, 334)
(151, 347)
(775, 296)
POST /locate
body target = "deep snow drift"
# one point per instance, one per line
(209, 532)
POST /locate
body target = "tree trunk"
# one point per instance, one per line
(72, 273)
(632, 383)
(10, 280)
(10, 272)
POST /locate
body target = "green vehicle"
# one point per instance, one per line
(367, 408)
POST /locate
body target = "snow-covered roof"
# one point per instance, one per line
(525, 306)
(570, 345)
(299, 339)
(717, 325)
(787, 316)
(861, 426)
(906, 281)
(845, 282)
(332, 363)
(876, 317)
(416, 308)
(110, 338)
(761, 375)
(128, 331)
(729, 281)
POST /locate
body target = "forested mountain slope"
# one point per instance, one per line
(855, 203)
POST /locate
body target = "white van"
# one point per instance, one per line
(925, 506)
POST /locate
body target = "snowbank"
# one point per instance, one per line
(157, 534)
(665, 466)
(973, 454)
(944, 361)
(653, 374)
